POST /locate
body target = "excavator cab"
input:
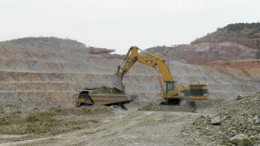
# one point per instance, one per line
(84, 99)
(170, 85)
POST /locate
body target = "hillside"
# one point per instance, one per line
(247, 34)
(239, 41)
(205, 52)
(46, 43)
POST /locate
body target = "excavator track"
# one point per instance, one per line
(183, 106)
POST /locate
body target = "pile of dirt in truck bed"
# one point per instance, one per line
(107, 90)
(234, 121)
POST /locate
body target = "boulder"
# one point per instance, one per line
(216, 121)
(241, 140)
(239, 97)
(256, 119)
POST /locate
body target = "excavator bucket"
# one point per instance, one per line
(117, 82)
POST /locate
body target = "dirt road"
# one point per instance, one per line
(127, 128)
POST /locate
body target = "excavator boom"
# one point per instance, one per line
(148, 59)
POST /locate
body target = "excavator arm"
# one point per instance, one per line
(149, 59)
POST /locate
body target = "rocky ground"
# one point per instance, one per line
(230, 123)
(225, 123)
(116, 128)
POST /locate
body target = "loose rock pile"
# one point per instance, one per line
(236, 122)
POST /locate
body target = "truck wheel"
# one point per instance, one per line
(123, 107)
(193, 105)
(115, 106)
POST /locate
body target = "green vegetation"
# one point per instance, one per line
(240, 27)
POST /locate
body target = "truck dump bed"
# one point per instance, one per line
(110, 99)
(102, 96)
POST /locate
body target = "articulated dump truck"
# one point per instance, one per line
(103, 96)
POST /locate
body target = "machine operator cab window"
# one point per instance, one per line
(170, 85)
(84, 94)
(84, 99)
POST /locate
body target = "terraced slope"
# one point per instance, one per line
(238, 68)
(43, 77)
(206, 52)
(247, 34)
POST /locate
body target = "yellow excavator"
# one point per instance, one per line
(172, 93)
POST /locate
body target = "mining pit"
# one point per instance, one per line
(37, 105)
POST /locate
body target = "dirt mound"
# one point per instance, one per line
(236, 117)
(107, 90)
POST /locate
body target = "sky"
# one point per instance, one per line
(120, 24)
